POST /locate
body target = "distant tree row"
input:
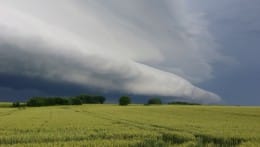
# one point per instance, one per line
(125, 100)
(87, 99)
(77, 100)
(90, 99)
(156, 101)
(182, 103)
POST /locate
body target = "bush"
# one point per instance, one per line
(124, 100)
(155, 101)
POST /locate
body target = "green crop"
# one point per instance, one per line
(134, 125)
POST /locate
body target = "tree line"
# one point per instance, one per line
(52, 101)
(87, 99)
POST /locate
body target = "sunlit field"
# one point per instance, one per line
(134, 125)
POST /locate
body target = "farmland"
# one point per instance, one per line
(133, 125)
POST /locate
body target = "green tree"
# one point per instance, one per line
(37, 101)
(101, 99)
(155, 101)
(91, 99)
(124, 100)
(75, 101)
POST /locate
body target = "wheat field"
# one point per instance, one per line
(134, 125)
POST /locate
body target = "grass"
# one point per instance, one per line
(134, 125)
(5, 104)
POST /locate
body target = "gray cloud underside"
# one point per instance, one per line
(33, 45)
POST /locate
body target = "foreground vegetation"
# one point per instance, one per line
(133, 125)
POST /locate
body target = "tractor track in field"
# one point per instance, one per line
(136, 124)
(117, 121)
(162, 129)
(8, 113)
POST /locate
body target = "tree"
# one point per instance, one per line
(154, 101)
(124, 100)
(183, 103)
(37, 101)
(75, 101)
(47, 101)
(101, 99)
(60, 101)
(91, 99)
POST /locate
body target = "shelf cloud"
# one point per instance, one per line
(139, 46)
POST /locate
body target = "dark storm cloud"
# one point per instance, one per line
(109, 45)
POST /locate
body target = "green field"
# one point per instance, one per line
(134, 125)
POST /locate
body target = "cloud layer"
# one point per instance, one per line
(135, 46)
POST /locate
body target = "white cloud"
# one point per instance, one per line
(102, 44)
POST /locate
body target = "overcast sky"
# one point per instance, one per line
(201, 51)
(235, 25)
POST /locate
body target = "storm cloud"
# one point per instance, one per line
(138, 47)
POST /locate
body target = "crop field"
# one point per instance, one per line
(134, 125)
